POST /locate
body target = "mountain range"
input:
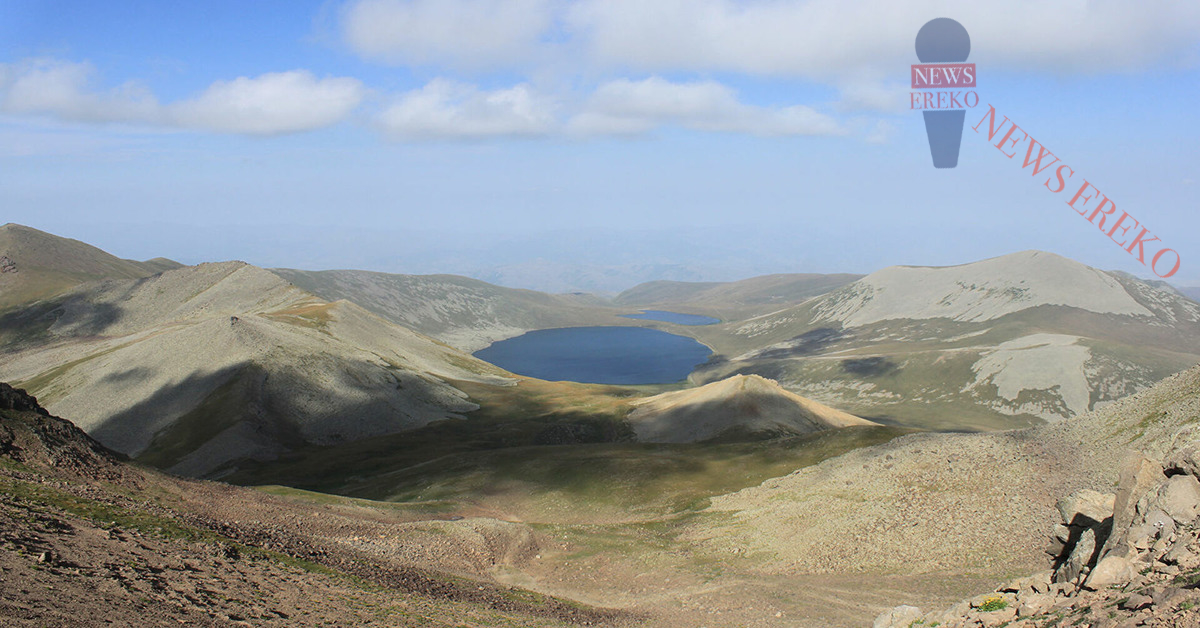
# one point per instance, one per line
(203, 369)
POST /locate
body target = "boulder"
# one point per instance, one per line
(1110, 571)
(1185, 460)
(1086, 508)
(1139, 475)
(1081, 556)
(1180, 498)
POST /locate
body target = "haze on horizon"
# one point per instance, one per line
(565, 144)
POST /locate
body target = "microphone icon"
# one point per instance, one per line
(943, 40)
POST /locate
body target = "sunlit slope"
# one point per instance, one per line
(738, 407)
(463, 312)
(736, 299)
(36, 265)
(1005, 342)
(940, 502)
(208, 365)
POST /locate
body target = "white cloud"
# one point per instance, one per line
(824, 39)
(275, 103)
(458, 32)
(65, 90)
(630, 107)
(864, 95)
(270, 104)
(448, 109)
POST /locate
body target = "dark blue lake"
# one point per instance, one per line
(599, 355)
(673, 317)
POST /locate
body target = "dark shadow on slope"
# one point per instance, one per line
(870, 367)
(809, 343)
(122, 431)
(272, 409)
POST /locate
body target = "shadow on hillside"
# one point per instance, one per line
(31, 325)
(870, 367)
(261, 413)
(809, 343)
(125, 430)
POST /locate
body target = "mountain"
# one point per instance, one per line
(199, 367)
(1192, 293)
(736, 299)
(465, 313)
(35, 265)
(736, 407)
(1006, 342)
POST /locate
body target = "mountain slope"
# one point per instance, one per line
(36, 265)
(946, 503)
(199, 367)
(465, 313)
(736, 407)
(1002, 343)
(731, 300)
(1192, 293)
(93, 540)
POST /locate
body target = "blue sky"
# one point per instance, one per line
(705, 139)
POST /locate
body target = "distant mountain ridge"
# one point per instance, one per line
(36, 265)
(1030, 335)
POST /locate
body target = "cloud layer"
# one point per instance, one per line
(270, 104)
(817, 39)
(586, 68)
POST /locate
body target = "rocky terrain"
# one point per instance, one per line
(86, 538)
(1126, 559)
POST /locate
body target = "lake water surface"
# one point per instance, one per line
(599, 355)
(673, 317)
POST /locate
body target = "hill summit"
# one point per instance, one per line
(738, 406)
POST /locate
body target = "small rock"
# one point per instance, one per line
(1041, 581)
(898, 617)
(998, 618)
(45, 557)
(1034, 605)
(1137, 602)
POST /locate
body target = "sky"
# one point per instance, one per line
(592, 144)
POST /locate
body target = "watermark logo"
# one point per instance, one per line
(946, 81)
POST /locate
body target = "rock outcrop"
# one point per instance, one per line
(1129, 559)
